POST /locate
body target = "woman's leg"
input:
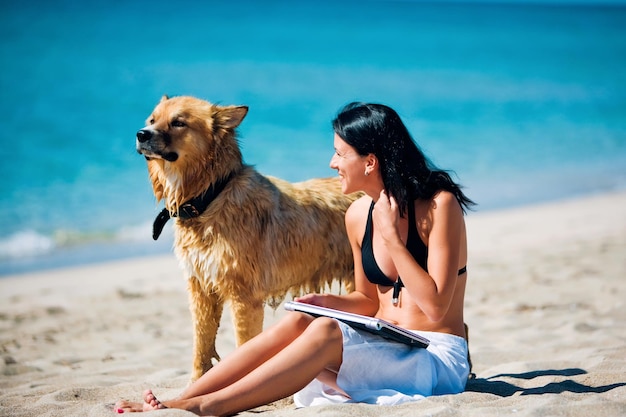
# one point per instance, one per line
(240, 362)
(250, 355)
(318, 348)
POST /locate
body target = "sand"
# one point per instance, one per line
(546, 306)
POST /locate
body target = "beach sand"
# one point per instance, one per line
(546, 306)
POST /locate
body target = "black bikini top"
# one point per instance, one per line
(414, 244)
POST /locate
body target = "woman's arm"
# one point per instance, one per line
(432, 291)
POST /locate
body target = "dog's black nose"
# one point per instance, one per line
(144, 135)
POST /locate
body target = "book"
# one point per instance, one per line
(373, 325)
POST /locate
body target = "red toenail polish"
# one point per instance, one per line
(119, 411)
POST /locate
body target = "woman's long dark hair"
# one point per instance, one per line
(406, 172)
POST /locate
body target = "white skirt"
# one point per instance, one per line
(377, 371)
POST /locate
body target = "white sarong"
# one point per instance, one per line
(377, 371)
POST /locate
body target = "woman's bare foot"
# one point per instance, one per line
(150, 402)
(124, 406)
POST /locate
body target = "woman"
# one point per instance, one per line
(409, 224)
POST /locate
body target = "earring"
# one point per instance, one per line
(367, 173)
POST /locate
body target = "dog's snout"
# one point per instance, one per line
(144, 135)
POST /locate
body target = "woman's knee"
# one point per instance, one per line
(326, 329)
(325, 333)
(296, 321)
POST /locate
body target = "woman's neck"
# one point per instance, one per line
(374, 186)
(374, 193)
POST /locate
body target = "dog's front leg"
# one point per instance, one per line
(247, 318)
(206, 310)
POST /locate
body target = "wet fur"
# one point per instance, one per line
(259, 239)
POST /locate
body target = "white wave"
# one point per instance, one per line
(25, 243)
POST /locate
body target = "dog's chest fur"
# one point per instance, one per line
(232, 243)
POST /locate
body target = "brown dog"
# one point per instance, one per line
(240, 236)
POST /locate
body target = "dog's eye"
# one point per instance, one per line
(178, 123)
(151, 121)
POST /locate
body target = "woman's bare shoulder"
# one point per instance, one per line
(359, 206)
(444, 200)
(357, 212)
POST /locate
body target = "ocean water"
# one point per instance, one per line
(525, 102)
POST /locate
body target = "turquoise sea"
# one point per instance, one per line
(524, 101)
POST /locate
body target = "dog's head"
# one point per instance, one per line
(189, 144)
(183, 126)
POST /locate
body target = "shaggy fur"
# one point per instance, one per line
(259, 239)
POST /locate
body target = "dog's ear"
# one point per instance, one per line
(165, 97)
(230, 117)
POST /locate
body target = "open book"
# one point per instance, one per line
(370, 324)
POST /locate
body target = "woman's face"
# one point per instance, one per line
(349, 165)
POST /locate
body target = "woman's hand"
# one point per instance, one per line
(314, 299)
(386, 218)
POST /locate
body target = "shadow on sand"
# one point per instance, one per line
(504, 389)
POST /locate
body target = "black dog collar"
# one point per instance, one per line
(191, 208)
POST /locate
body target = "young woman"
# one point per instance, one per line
(410, 250)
